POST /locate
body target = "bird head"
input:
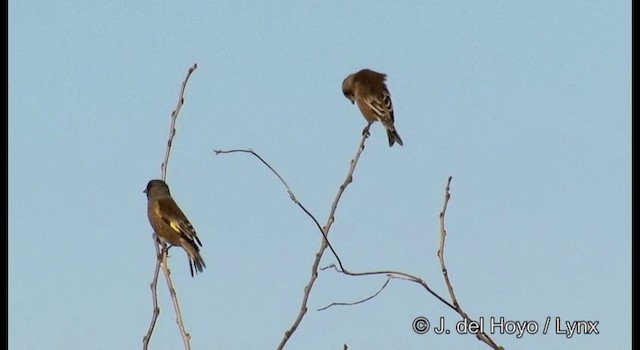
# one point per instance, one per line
(156, 186)
(347, 88)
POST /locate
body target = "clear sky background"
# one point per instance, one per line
(526, 104)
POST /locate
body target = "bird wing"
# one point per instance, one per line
(171, 214)
(381, 105)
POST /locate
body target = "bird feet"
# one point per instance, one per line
(365, 131)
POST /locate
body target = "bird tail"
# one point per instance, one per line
(393, 137)
(195, 259)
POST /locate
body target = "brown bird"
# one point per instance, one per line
(368, 89)
(170, 224)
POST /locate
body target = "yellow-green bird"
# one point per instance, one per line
(170, 224)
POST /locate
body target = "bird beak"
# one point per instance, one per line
(145, 191)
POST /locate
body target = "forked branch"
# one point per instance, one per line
(162, 249)
(323, 230)
(455, 306)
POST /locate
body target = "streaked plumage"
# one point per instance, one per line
(171, 225)
(368, 90)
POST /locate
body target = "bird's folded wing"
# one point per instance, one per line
(175, 218)
(381, 106)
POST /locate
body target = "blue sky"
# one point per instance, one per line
(527, 105)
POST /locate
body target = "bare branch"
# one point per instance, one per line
(347, 181)
(395, 275)
(161, 249)
(482, 336)
(324, 244)
(407, 277)
(359, 301)
(324, 230)
(291, 194)
(186, 337)
(154, 296)
(443, 235)
(174, 118)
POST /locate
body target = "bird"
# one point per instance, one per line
(368, 90)
(171, 225)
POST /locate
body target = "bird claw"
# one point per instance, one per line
(365, 131)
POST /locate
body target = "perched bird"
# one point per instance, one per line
(368, 89)
(170, 224)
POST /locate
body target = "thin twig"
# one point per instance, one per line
(481, 335)
(323, 245)
(323, 230)
(405, 276)
(359, 301)
(443, 235)
(186, 337)
(291, 194)
(174, 118)
(154, 296)
(394, 275)
(347, 181)
(161, 249)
